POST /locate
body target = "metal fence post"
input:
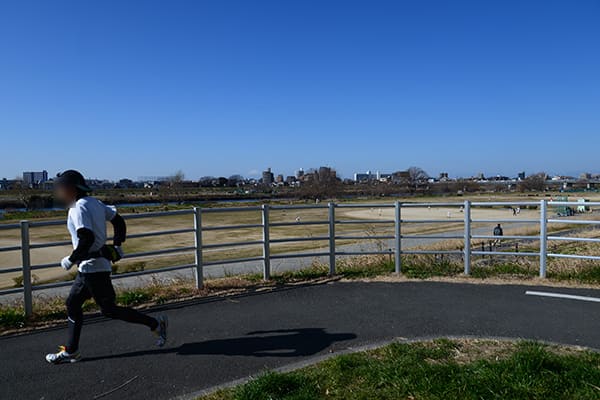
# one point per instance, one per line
(543, 237)
(26, 264)
(467, 250)
(398, 238)
(199, 271)
(331, 239)
(266, 243)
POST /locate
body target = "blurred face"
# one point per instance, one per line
(66, 195)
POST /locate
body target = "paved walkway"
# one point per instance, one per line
(220, 340)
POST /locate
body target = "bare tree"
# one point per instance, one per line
(321, 183)
(533, 183)
(235, 180)
(23, 193)
(207, 181)
(177, 177)
(172, 188)
(416, 176)
(466, 185)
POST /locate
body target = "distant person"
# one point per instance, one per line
(518, 210)
(498, 232)
(514, 211)
(86, 223)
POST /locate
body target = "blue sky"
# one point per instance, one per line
(133, 88)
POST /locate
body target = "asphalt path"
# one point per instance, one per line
(219, 340)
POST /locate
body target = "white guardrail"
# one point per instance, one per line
(331, 252)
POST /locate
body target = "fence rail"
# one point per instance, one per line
(329, 249)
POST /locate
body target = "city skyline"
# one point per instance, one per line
(232, 87)
(31, 177)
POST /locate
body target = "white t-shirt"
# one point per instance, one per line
(92, 214)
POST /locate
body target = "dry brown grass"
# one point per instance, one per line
(53, 233)
(469, 350)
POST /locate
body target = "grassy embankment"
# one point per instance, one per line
(442, 369)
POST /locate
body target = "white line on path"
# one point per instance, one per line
(563, 296)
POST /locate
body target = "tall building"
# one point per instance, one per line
(326, 172)
(366, 177)
(35, 178)
(268, 177)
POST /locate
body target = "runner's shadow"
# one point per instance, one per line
(276, 343)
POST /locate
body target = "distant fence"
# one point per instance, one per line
(464, 225)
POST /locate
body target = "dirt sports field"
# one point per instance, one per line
(453, 215)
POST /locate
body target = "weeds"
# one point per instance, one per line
(12, 317)
(134, 297)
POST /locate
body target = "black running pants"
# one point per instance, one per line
(98, 286)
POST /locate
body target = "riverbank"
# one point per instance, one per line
(12, 214)
(43, 200)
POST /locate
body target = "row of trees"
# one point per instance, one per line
(533, 183)
(324, 183)
(232, 181)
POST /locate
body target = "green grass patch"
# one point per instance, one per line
(367, 268)
(444, 369)
(134, 297)
(12, 317)
(504, 269)
(13, 215)
(429, 267)
(586, 274)
(306, 274)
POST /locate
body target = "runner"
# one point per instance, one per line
(87, 225)
(498, 232)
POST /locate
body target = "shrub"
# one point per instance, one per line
(12, 317)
